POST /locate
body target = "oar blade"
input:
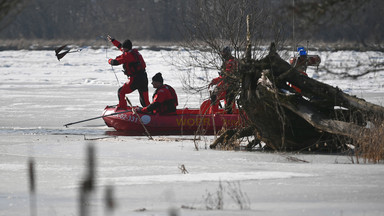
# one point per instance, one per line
(61, 55)
(59, 49)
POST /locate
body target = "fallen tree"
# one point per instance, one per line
(319, 117)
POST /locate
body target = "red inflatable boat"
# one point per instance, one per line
(184, 122)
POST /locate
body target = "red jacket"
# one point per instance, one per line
(164, 101)
(229, 67)
(133, 62)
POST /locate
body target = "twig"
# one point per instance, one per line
(183, 169)
(295, 159)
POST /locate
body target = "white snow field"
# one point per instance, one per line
(39, 94)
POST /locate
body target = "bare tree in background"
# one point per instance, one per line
(139, 20)
(209, 26)
(355, 20)
(337, 21)
(8, 10)
(158, 20)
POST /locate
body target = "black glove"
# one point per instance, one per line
(110, 38)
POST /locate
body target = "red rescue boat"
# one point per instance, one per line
(184, 122)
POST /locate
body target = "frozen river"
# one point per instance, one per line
(39, 95)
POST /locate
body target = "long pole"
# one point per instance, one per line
(72, 123)
(138, 117)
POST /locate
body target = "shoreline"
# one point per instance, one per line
(99, 42)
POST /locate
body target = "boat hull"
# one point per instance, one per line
(185, 122)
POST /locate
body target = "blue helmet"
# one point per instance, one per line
(301, 51)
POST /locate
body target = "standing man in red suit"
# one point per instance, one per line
(223, 89)
(134, 67)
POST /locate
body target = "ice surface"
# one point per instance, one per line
(39, 94)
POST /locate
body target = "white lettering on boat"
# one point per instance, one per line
(130, 118)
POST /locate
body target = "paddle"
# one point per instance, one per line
(61, 55)
(72, 123)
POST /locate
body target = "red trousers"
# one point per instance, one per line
(141, 84)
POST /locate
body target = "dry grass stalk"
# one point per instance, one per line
(215, 201)
(370, 145)
(32, 187)
(183, 169)
(87, 185)
(237, 195)
(109, 200)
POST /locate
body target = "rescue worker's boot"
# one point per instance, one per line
(122, 105)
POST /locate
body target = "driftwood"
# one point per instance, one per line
(320, 117)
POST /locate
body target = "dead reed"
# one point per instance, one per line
(32, 187)
(369, 146)
(215, 200)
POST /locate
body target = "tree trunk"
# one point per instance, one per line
(321, 117)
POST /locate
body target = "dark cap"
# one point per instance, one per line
(226, 50)
(158, 78)
(127, 44)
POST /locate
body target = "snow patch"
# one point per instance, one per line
(202, 177)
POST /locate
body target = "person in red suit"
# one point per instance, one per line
(134, 67)
(220, 92)
(164, 99)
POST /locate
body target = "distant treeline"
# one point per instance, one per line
(162, 20)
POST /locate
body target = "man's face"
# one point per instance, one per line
(156, 84)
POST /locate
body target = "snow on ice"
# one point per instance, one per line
(39, 94)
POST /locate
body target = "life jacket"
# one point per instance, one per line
(230, 65)
(166, 98)
(173, 94)
(135, 63)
